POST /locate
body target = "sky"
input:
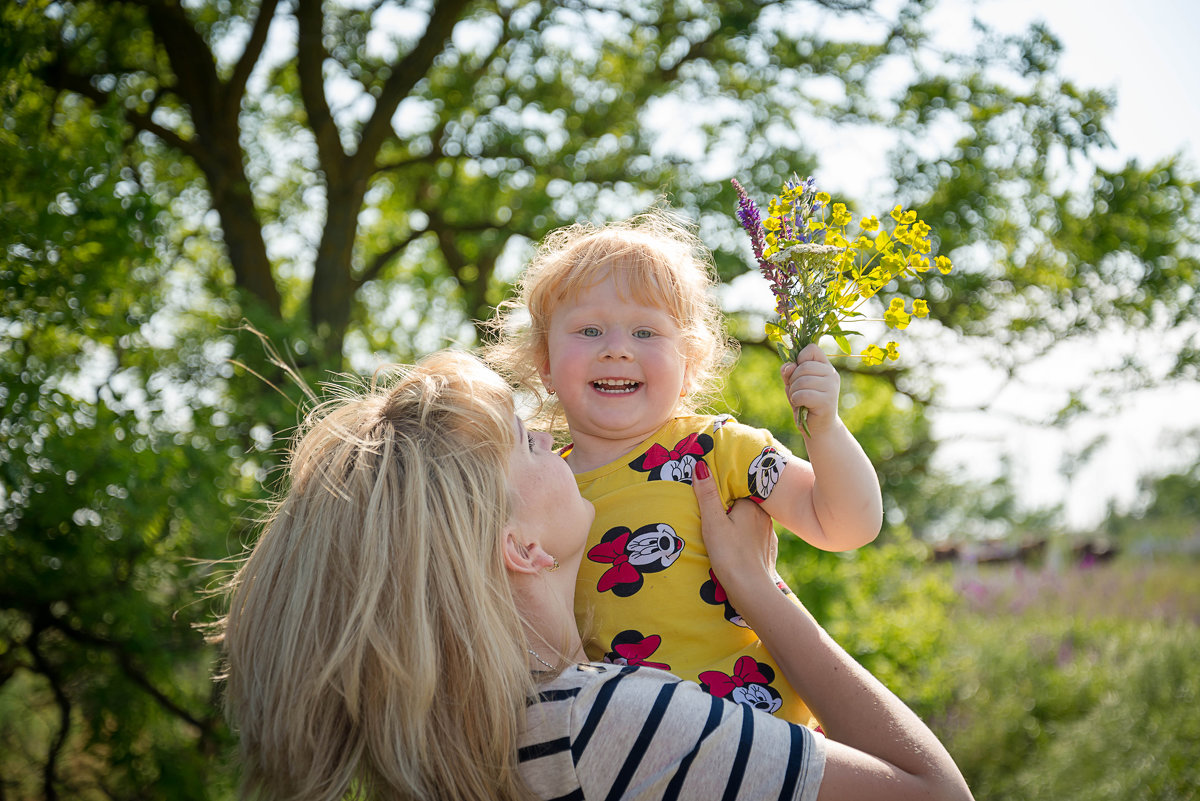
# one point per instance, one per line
(1146, 51)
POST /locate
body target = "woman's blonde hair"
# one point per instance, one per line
(372, 641)
(660, 261)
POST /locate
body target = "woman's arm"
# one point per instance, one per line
(878, 748)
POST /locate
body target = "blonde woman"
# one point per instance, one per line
(403, 628)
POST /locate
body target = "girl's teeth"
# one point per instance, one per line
(616, 387)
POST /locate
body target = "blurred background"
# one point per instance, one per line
(360, 182)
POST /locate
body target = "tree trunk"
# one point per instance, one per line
(333, 286)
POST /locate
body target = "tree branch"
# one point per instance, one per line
(192, 62)
(50, 770)
(254, 48)
(310, 64)
(131, 672)
(404, 77)
(60, 77)
(381, 259)
(401, 164)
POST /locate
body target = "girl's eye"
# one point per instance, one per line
(529, 437)
(590, 331)
(643, 333)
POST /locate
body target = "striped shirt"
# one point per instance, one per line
(609, 732)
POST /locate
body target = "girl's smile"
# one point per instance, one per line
(615, 386)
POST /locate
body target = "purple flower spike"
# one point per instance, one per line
(751, 220)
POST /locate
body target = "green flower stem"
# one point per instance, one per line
(801, 420)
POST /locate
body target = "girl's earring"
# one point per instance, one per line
(554, 566)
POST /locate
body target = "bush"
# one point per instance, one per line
(887, 606)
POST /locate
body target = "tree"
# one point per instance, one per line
(357, 180)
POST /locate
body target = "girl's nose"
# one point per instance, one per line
(615, 347)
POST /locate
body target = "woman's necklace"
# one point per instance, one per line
(534, 654)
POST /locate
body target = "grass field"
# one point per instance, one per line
(1076, 683)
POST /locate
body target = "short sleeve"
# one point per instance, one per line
(645, 734)
(748, 461)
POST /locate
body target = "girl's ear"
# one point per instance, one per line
(688, 375)
(544, 374)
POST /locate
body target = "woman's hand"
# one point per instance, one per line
(741, 544)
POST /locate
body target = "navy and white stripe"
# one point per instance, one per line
(608, 732)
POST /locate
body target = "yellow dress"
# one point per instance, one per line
(646, 589)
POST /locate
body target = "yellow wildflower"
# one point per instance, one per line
(896, 316)
(872, 355)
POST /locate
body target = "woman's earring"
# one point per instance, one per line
(554, 566)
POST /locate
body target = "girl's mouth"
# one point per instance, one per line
(615, 386)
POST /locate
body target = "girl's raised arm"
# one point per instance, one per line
(877, 747)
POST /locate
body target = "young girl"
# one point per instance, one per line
(624, 336)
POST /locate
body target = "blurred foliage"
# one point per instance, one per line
(360, 181)
(1049, 684)
(1165, 519)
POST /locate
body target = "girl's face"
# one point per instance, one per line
(617, 365)
(548, 507)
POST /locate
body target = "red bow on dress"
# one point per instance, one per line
(635, 653)
(719, 596)
(621, 571)
(745, 671)
(658, 455)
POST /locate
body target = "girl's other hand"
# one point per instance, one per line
(813, 382)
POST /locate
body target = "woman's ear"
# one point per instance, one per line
(528, 558)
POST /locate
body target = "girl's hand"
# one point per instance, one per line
(814, 383)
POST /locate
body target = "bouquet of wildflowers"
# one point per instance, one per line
(821, 277)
